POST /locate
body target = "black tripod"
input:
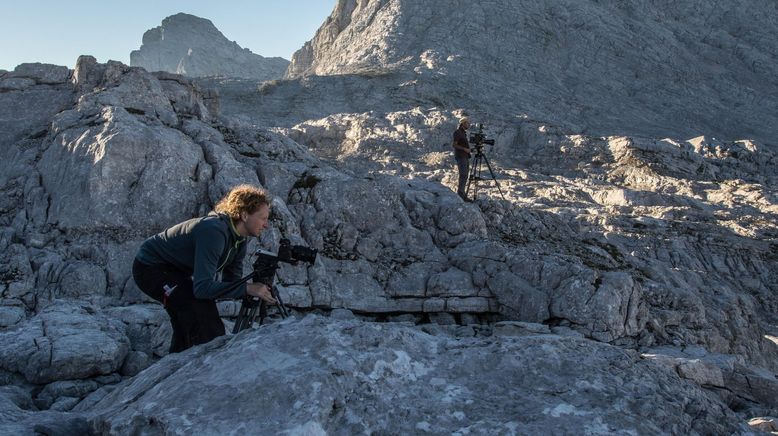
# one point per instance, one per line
(253, 306)
(476, 168)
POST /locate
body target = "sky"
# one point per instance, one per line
(58, 32)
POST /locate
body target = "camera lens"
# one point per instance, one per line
(304, 254)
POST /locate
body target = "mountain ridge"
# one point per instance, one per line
(192, 46)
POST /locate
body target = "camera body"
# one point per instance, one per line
(479, 139)
(264, 271)
(296, 253)
(266, 264)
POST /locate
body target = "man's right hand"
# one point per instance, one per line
(260, 290)
(465, 149)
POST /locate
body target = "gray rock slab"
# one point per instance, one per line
(563, 383)
(411, 281)
(470, 305)
(516, 328)
(67, 389)
(11, 315)
(64, 342)
(147, 327)
(16, 83)
(42, 73)
(28, 113)
(453, 282)
(518, 299)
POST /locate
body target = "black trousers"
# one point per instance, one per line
(463, 165)
(194, 321)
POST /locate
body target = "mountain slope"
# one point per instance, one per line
(653, 68)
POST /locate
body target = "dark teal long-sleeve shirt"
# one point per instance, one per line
(201, 247)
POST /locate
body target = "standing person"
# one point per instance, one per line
(462, 156)
(178, 267)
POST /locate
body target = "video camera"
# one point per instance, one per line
(479, 138)
(265, 267)
(266, 264)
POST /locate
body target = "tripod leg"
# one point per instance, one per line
(262, 312)
(236, 328)
(499, 189)
(479, 168)
(470, 178)
(239, 321)
(252, 316)
(279, 302)
(242, 323)
(475, 176)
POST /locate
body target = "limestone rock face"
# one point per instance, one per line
(622, 216)
(29, 96)
(319, 376)
(642, 68)
(130, 154)
(192, 46)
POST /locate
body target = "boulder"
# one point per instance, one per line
(46, 74)
(63, 392)
(65, 341)
(27, 106)
(608, 306)
(147, 328)
(11, 315)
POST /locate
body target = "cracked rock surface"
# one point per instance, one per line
(346, 377)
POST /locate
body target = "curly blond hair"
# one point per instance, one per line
(242, 198)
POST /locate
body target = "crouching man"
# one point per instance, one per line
(178, 267)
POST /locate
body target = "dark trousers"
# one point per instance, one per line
(463, 164)
(194, 321)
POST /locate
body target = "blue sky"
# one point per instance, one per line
(57, 31)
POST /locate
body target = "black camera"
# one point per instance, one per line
(479, 138)
(265, 267)
(296, 253)
(266, 264)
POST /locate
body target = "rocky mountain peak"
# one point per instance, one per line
(193, 46)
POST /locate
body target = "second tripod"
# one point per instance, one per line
(476, 169)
